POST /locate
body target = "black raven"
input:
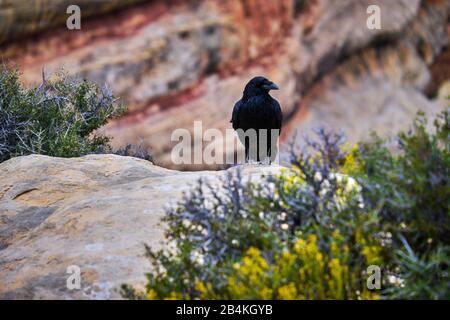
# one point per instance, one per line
(258, 113)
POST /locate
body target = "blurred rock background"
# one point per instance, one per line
(178, 61)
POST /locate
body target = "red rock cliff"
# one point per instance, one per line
(179, 61)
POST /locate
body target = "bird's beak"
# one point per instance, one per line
(271, 86)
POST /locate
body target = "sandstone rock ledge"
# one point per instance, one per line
(94, 212)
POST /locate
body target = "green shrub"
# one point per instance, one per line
(57, 118)
(411, 190)
(422, 277)
(312, 231)
(411, 187)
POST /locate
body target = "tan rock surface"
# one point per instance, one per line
(95, 212)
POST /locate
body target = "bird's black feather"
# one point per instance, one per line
(235, 116)
(257, 110)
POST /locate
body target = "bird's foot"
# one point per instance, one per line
(265, 162)
(252, 162)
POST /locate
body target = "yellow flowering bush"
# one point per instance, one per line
(303, 272)
(313, 231)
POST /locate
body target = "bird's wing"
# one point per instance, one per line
(278, 114)
(235, 115)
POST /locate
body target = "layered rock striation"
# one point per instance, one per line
(175, 62)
